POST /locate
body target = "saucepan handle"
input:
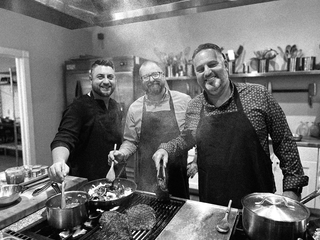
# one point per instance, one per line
(311, 196)
(56, 187)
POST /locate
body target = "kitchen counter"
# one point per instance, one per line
(29, 205)
(197, 221)
(309, 142)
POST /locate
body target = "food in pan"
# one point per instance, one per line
(105, 192)
(141, 217)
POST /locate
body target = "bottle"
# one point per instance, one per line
(314, 130)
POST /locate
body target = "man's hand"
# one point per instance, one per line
(58, 171)
(115, 156)
(292, 195)
(158, 155)
(192, 169)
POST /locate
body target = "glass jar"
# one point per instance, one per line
(15, 175)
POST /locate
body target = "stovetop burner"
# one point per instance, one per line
(164, 213)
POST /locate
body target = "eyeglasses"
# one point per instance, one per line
(154, 75)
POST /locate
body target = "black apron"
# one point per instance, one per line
(156, 128)
(231, 160)
(90, 158)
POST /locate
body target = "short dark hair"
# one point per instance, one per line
(102, 62)
(207, 46)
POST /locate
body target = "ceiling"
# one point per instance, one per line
(75, 14)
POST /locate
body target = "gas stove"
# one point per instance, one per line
(165, 211)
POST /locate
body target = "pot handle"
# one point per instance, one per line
(266, 199)
(311, 196)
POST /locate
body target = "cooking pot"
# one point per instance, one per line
(268, 216)
(106, 205)
(75, 213)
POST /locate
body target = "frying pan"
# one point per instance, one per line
(106, 205)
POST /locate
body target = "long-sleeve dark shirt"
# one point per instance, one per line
(89, 130)
(266, 117)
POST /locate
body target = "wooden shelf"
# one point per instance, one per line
(255, 74)
(182, 78)
(275, 74)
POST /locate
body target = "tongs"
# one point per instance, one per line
(54, 185)
(162, 191)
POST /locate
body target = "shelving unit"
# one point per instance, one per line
(184, 84)
(255, 74)
(275, 74)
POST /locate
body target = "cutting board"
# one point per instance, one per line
(28, 204)
(197, 221)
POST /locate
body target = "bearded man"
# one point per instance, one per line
(89, 128)
(156, 117)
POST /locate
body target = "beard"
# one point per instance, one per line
(155, 88)
(105, 91)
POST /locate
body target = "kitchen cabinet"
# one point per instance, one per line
(309, 159)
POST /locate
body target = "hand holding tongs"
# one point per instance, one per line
(162, 192)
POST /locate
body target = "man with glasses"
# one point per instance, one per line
(230, 123)
(156, 117)
(89, 128)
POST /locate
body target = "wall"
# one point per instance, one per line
(256, 27)
(48, 46)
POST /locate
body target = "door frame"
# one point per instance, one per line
(25, 102)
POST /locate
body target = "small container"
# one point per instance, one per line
(35, 173)
(292, 64)
(263, 66)
(231, 67)
(308, 63)
(15, 175)
(28, 171)
(190, 71)
(44, 170)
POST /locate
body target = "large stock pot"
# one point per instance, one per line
(268, 216)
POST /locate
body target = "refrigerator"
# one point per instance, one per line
(128, 86)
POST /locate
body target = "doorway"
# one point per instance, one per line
(20, 90)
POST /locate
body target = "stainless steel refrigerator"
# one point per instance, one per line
(128, 87)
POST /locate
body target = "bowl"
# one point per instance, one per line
(9, 193)
(296, 137)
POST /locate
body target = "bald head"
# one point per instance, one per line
(149, 65)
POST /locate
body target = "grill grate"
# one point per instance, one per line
(165, 211)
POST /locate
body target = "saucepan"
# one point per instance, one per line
(268, 216)
(75, 213)
(98, 202)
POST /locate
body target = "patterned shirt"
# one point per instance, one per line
(266, 117)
